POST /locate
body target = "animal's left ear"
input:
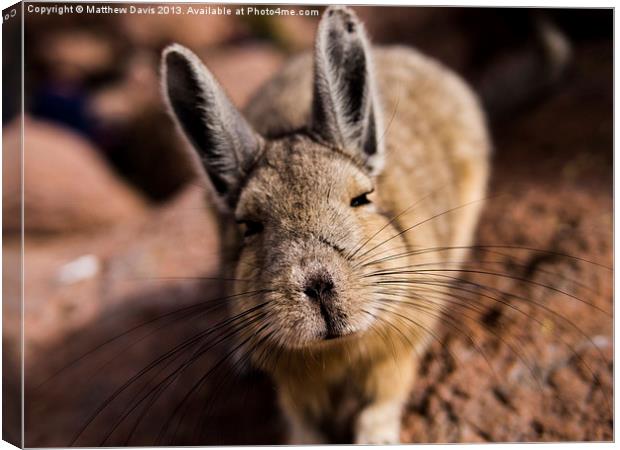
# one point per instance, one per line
(345, 108)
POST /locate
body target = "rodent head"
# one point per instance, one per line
(303, 211)
(304, 201)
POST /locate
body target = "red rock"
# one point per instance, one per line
(134, 258)
(240, 81)
(67, 185)
(193, 31)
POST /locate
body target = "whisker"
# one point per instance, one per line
(430, 309)
(387, 128)
(501, 275)
(179, 278)
(416, 324)
(439, 298)
(499, 300)
(171, 378)
(464, 264)
(143, 324)
(538, 380)
(150, 366)
(406, 230)
(151, 402)
(234, 371)
(200, 382)
(393, 219)
(491, 247)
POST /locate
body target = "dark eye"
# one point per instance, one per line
(250, 227)
(360, 200)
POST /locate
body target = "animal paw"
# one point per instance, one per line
(379, 424)
(381, 435)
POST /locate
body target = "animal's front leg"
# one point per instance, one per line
(301, 433)
(379, 423)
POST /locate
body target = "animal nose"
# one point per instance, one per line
(320, 287)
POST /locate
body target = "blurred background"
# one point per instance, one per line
(116, 232)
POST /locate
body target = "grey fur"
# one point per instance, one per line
(346, 112)
(225, 143)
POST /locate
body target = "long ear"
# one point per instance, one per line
(345, 109)
(224, 142)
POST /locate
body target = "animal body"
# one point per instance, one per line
(352, 170)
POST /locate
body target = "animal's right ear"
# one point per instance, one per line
(225, 143)
(345, 109)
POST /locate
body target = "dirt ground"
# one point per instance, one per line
(525, 352)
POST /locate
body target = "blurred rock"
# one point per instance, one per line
(68, 188)
(150, 153)
(137, 133)
(73, 279)
(137, 91)
(174, 247)
(194, 31)
(77, 54)
(73, 49)
(242, 69)
(297, 33)
(292, 33)
(417, 27)
(517, 360)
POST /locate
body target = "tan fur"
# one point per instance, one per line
(428, 195)
(437, 146)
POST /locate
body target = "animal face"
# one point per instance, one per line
(303, 213)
